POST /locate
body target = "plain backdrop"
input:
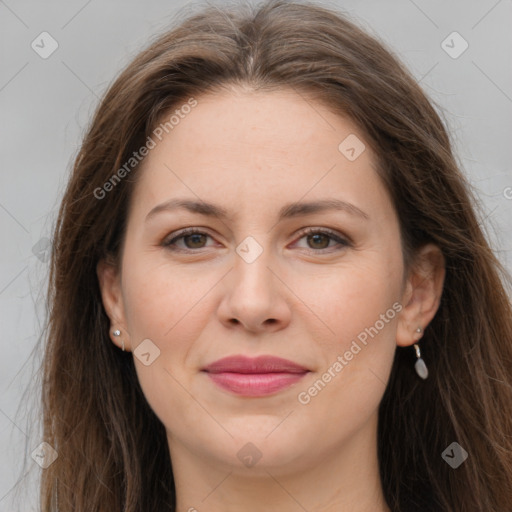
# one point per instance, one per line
(46, 103)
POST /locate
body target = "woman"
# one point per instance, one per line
(269, 287)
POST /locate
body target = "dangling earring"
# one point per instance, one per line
(419, 365)
(116, 333)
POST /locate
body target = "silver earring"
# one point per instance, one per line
(116, 333)
(419, 365)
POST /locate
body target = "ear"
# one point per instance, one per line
(422, 294)
(111, 293)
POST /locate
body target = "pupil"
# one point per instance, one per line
(317, 236)
(194, 238)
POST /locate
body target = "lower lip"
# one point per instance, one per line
(255, 384)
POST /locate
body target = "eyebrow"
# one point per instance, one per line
(286, 212)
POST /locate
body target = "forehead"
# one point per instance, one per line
(242, 145)
(262, 122)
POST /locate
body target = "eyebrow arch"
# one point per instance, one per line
(288, 211)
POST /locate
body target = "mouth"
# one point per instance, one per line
(260, 376)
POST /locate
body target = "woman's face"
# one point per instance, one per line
(255, 282)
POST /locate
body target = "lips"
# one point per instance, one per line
(261, 364)
(260, 376)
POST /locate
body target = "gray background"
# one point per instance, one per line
(46, 104)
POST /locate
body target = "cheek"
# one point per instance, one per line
(359, 304)
(365, 294)
(171, 309)
(351, 298)
(163, 303)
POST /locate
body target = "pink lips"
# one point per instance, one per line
(258, 376)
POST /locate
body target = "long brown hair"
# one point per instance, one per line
(113, 453)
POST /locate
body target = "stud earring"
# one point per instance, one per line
(116, 333)
(419, 365)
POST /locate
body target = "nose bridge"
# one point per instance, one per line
(253, 297)
(251, 265)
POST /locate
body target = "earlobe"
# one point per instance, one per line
(422, 294)
(110, 287)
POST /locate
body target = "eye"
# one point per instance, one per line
(193, 238)
(320, 239)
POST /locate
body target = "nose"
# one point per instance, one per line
(254, 297)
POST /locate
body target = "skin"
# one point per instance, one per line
(305, 298)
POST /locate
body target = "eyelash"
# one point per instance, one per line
(342, 242)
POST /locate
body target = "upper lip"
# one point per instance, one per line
(261, 364)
